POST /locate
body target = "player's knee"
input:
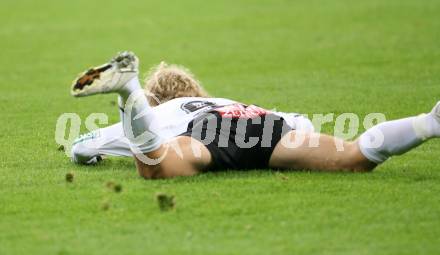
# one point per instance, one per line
(81, 154)
(355, 161)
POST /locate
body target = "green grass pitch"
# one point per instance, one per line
(304, 56)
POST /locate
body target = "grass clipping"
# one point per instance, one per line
(165, 202)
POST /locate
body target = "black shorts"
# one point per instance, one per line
(238, 136)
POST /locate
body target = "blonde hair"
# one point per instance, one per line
(165, 82)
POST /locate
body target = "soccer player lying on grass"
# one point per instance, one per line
(180, 139)
(163, 83)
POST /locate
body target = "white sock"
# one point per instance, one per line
(137, 118)
(426, 126)
(129, 88)
(397, 137)
(121, 109)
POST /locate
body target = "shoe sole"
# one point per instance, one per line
(104, 78)
(89, 77)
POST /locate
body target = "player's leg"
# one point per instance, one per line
(154, 157)
(89, 147)
(324, 156)
(399, 136)
(373, 147)
(177, 158)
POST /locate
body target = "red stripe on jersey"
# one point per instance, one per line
(241, 111)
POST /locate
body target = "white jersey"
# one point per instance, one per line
(168, 120)
(171, 118)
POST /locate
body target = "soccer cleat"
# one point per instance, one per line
(107, 78)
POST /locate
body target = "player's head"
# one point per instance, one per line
(166, 82)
